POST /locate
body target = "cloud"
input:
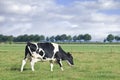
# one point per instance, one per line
(20, 28)
(111, 4)
(14, 7)
(49, 17)
(22, 9)
(2, 19)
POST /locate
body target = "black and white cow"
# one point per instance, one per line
(45, 52)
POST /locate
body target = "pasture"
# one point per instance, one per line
(92, 62)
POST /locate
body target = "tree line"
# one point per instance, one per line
(111, 38)
(42, 38)
(57, 38)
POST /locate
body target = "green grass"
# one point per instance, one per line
(92, 62)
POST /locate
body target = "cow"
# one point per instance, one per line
(51, 52)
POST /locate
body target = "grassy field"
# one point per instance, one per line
(92, 62)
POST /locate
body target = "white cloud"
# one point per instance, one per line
(104, 18)
(2, 19)
(23, 9)
(50, 18)
(15, 7)
(109, 4)
(17, 28)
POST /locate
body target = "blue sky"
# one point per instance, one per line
(111, 12)
(68, 2)
(64, 2)
(52, 17)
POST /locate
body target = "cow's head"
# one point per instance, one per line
(70, 59)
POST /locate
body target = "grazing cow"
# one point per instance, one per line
(45, 52)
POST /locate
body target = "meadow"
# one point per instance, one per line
(92, 62)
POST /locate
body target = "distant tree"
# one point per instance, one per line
(63, 37)
(1, 38)
(57, 38)
(25, 38)
(117, 38)
(28, 38)
(104, 40)
(22, 38)
(10, 39)
(36, 38)
(47, 39)
(80, 37)
(4, 38)
(52, 39)
(110, 38)
(69, 38)
(87, 37)
(42, 38)
(75, 38)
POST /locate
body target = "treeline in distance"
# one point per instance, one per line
(42, 38)
(57, 38)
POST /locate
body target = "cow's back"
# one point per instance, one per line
(48, 49)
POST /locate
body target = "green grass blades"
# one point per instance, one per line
(92, 62)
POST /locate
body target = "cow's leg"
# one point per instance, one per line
(60, 64)
(32, 62)
(23, 64)
(51, 65)
(59, 61)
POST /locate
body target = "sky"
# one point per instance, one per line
(55, 17)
